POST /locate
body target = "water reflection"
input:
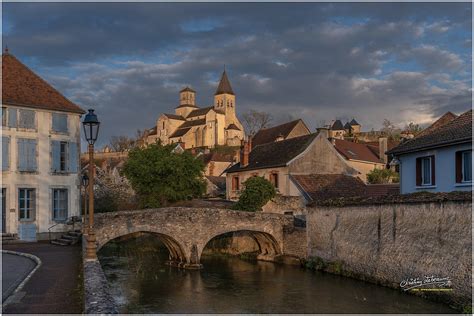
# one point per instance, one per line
(142, 283)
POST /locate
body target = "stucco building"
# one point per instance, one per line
(193, 126)
(40, 154)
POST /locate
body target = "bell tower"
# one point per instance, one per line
(224, 98)
(187, 102)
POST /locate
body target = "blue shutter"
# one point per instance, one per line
(5, 153)
(55, 156)
(32, 155)
(73, 157)
(12, 117)
(60, 122)
(27, 119)
(22, 155)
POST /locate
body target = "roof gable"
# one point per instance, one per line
(356, 151)
(22, 87)
(269, 135)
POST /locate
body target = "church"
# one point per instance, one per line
(192, 126)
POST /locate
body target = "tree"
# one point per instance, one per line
(160, 176)
(413, 128)
(257, 192)
(389, 129)
(382, 176)
(254, 120)
(121, 143)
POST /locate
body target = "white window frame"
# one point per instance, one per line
(32, 200)
(463, 180)
(56, 219)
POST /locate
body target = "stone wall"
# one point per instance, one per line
(388, 243)
(281, 204)
(295, 242)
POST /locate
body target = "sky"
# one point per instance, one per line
(406, 62)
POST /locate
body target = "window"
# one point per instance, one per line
(27, 119)
(274, 179)
(64, 157)
(12, 114)
(464, 166)
(235, 183)
(59, 122)
(4, 116)
(5, 153)
(425, 171)
(26, 204)
(60, 204)
(27, 155)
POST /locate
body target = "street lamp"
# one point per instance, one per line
(85, 183)
(91, 130)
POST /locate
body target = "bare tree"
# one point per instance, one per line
(390, 130)
(254, 120)
(413, 128)
(121, 143)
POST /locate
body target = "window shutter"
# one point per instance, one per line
(5, 153)
(12, 117)
(73, 157)
(433, 169)
(59, 122)
(27, 119)
(22, 155)
(55, 156)
(30, 154)
(458, 166)
(418, 171)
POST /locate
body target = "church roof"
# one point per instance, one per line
(269, 135)
(224, 85)
(337, 125)
(233, 126)
(180, 132)
(174, 116)
(187, 105)
(22, 87)
(199, 112)
(187, 89)
(354, 122)
(193, 123)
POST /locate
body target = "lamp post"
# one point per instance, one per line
(85, 183)
(91, 130)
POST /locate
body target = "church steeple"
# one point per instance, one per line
(224, 85)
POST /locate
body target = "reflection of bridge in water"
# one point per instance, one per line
(186, 231)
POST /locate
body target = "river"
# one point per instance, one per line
(141, 282)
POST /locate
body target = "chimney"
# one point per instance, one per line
(244, 156)
(324, 131)
(383, 147)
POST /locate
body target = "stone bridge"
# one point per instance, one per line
(186, 231)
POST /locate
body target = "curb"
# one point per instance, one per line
(28, 277)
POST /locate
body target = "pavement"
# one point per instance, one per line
(15, 269)
(55, 288)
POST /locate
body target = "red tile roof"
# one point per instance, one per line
(376, 190)
(22, 87)
(356, 151)
(443, 120)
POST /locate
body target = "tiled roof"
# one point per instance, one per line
(276, 154)
(187, 106)
(456, 131)
(328, 186)
(443, 120)
(217, 157)
(224, 85)
(233, 126)
(220, 182)
(22, 87)
(180, 132)
(356, 151)
(174, 116)
(269, 135)
(199, 112)
(376, 190)
(337, 125)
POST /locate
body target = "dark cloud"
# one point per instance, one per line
(317, 61)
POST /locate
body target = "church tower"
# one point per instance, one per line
(224, 98)
(187, 102)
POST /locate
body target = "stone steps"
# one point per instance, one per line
(70, 238)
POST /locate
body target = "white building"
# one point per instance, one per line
(40, 154)
(439, 159)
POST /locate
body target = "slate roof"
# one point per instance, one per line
(347, 126)
(269, 135)
(337, 125)
(187, 89)
(220, 182)
(354, 122)
(193, 123)
(187, 105)
(233, 126)
(22, 87)
(276, 154)
(199, 112)
(327, 186)
(174, 116)
(224, 85)
(356, 151)
(180, 132)
(456, 131)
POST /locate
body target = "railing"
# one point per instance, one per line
(69, 221)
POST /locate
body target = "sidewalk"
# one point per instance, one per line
(55, 287)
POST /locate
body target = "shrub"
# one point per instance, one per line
(257, 192)
(381, 176)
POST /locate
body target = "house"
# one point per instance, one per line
(40, 154)
(439, 159)
(280, 132)
(200, 127)
(277, 161)
(340, 131)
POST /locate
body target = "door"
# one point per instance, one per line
(4, 210)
